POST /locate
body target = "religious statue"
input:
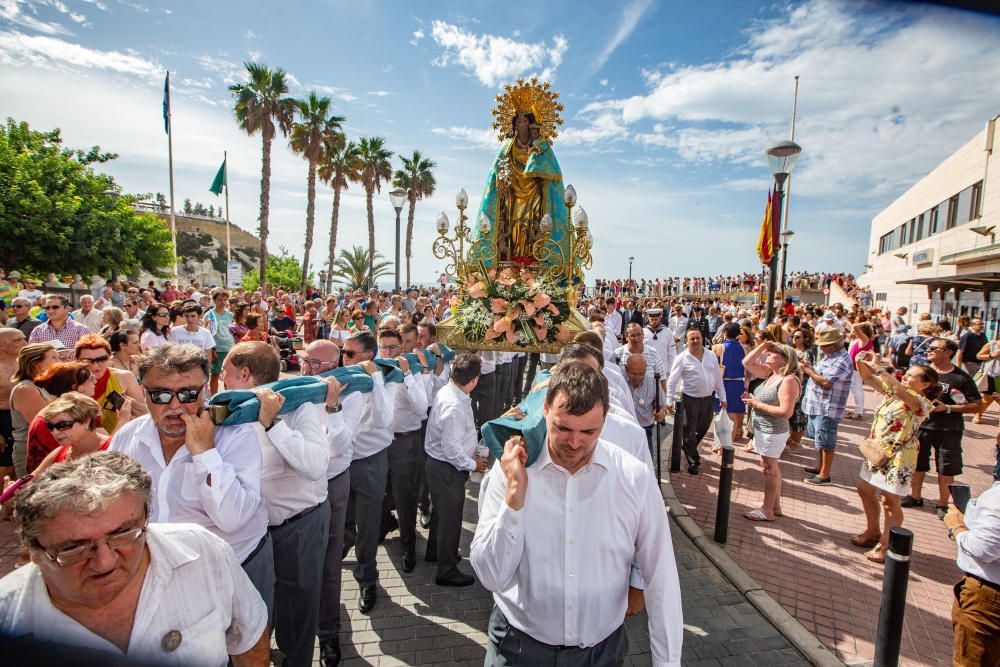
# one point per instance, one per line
(525, 182)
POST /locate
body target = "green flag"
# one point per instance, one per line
(220, 180)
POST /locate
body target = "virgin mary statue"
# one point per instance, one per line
(525, 182)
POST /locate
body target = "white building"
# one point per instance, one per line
(935, 248)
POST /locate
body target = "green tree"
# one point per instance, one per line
(59, 215)
(262, 107)
(375, 168)
(354, 269)
(188, 208)
(417, 179)
(341, 165)
(313, 135)
(282, 271)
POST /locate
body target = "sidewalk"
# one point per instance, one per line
(805, 561)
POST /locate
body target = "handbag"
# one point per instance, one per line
(981, 379)
(873, 453)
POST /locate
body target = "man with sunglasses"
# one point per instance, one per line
(202, 474)
(105, 582)
(22, 320)
(59, 327)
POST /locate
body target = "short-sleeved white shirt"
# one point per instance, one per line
(203, 338)
(193, 586)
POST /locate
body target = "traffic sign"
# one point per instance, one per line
(826, 291)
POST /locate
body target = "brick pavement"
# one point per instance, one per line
(419, 623)
(805, 562)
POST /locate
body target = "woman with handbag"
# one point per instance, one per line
(890, 451)
(988, 375)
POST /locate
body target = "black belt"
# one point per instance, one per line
(293, 519)
(984, 582)
(260, 545)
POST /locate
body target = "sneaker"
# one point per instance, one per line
(910, 501)
(816, 479)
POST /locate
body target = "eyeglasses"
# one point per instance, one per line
(939, 349)
(60, 426)
(314, 363)
(164, 396)
(18, 305)
(95, 360)
(350, 354)
(52, 307)
(162, 315)
(84, 552)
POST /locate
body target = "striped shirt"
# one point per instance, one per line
(838, 369)
(68, 335)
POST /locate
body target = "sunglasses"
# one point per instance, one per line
(350, 354)
(52, 307)
(162, 315)
(60, 426)
(95, 360)
(164, 396)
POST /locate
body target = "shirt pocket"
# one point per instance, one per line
(203, 642)
(191, 482)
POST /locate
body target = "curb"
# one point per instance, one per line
(811, 647)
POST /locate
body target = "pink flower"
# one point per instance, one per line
(541, 300)
(539, 320)
(529, 308)
(478, 290)
(541, 331)
(552, 309)
(507, 277)
(499, 305)
(562, 333)
(505, 325)
(527, 276)
(492, 273)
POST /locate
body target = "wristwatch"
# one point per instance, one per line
(949, 408)
(333, 411)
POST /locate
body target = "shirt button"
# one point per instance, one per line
(513, 522)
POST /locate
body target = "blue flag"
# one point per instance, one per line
(166, 104)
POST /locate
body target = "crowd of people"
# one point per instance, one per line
(744, 283)
(120, 470)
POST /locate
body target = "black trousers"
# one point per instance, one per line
(503, 387)
(447, 485)
(484, 399)
(519, 392)
(698, 413)
(404, 454)
(423, 494)
(530, 376)
(507, 646)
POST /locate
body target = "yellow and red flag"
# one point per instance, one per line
(767, 244)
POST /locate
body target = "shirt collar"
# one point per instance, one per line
(600, 457)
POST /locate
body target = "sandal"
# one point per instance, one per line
(756, 515)
(859, 541)
(876, 555)
(978, 419)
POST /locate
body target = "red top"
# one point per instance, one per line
(63, 451)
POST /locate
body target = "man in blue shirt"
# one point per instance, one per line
(825, 398)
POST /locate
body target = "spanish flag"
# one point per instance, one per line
(767, 245)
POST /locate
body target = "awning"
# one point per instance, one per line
(970, 282)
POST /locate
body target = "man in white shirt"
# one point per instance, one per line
(660, 338)
(613, 320)
(558, 559)
(369, 469)
(701, 375)
(409, 410)
(201, 474)
(103, 580)
(678, 325)
(89, 315)
(451, 455)
(192, 333)
(293, 483)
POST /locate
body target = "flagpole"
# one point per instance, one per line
(788, 194)
(225, 176)
(170, 159)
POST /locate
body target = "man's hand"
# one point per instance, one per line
(515, 412)
(333, 389)
(200, 436)
(369, 367)
(422, 358)
(723, 404)
(660, 414)
(636, 601)
(513, 462)
(954, 519)
(481, 464)
(404, 365)
(270, 405)
(669, 407)
(124, 412)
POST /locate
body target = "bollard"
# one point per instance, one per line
(893, 604)
(725, 493)
(677, 439)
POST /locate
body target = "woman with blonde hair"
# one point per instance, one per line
(74, 420)
(113, 318)
(772, 402)
(27, 398)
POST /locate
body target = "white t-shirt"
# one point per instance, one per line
(202, 337)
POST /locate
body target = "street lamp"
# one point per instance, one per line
(786, 238)
(397, 197)
(630, 260)
(781, 158)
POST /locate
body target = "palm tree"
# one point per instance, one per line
(313, 135)
(342, 165)
(416, 178)
(261, 106)
(375, 168)
(354, 269)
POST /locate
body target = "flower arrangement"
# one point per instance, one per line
(512, 305)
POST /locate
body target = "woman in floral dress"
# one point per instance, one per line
(897, 420)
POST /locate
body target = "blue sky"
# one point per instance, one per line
(669, 107)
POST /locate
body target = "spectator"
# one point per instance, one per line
(155, 328)
(917, 349)
(112, 322)
(990, 356)
(97, 352)
(22, 320)
(89, 315)
(125, 351)
(969, 345)
(58, 379)
(59, 326)
(218, 321)
(30, 292)
(27, 398)
(74, 420)
(11, 342)
(826, 398)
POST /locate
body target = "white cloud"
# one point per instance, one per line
(335, 92)
(417, 36)
(49, 52)
(632, 13)
(138, 7)
(603, 82)
(12, 11)
(379, 93)
(494, 59)
(250, 34)
(230, 72)
(469, 137)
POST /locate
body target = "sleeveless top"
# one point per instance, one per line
(767, 393)
(732, 360)
(20, 427)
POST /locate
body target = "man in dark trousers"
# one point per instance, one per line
(451, 455)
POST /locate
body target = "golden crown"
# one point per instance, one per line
(528, 97)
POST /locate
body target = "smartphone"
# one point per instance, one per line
(115, 400)
(961, 494)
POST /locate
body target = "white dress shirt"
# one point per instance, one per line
(231, 507)
(645, 396)
(618, 384)
(193, 585)
(613, 323)
(410, 406)
(94, 319)
(375, 424)
(700, 378)
(625, 433)
(979, 547)
(451, 429)
(488, 362)
(559, 567)
(295, 458)
(662, 340)
(341, 431)
(678, 326)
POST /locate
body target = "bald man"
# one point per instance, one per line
(643, 388)
(11, 342)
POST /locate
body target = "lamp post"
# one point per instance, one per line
(630, 260)
(786, 238)
(397, 197)
(781, 158)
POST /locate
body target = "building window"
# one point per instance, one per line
(977, 201)
(912, 234)
(952, 218)
(963, 207)
(932, 222)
